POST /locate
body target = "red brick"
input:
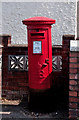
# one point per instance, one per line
(73, 54)
(78, 94)
(0, 53)
(73, 65)
(0, 87)
(73, 60)
(65, 48)
(66, 42)
(73, 117)
(18, 80)
(23, 88)
(73, 99)
(0, 50)
(73, 113)
(3, 95)
(77, 112)
(72, 105)
(72, 82)
(72, 93)
(78, 54)
(73, 70)
(23, 84)
(73, 87)
(77, 65)
(73, 76)
(12, 83)
(15, 76)
(77, 76)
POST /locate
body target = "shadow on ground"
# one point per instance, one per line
(46, 106)
(51, 104)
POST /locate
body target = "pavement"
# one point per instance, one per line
(19, 110)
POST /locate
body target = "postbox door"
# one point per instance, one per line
(39, 62)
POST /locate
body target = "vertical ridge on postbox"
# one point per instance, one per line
(39, 51)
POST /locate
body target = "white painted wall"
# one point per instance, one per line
(14, 12)
(78, 19)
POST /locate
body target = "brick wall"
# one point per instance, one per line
(73, 84)
(73, 70)
(14, 83)
(65, 75)
(0, 70)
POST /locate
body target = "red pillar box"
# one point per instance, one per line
(39, 51)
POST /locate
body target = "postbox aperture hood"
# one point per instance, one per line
(38, 20)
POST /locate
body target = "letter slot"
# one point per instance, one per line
(37, 35)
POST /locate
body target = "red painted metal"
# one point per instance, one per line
(40, 64)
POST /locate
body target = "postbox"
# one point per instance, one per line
(39, 52)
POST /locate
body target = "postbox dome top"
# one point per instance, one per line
(38, 20)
